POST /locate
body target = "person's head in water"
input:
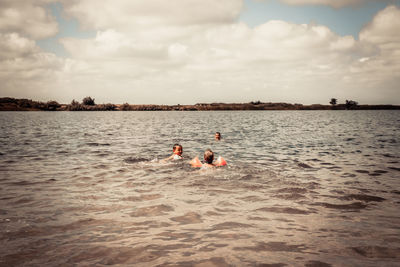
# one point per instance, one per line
(177, 150)
(218, 136)
(209, 156)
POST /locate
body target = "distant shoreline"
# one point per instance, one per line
(13, 104)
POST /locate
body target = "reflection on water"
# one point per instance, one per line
(308, 188)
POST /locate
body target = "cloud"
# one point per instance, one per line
(384, 28)
(334, 3)
(26, 70)
(14, 46)
(136, 14)
(111, 44)
(28, 18)
(223, 56)
(31, 74)
(383, 66)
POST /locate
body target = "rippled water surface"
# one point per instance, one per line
(308, 188)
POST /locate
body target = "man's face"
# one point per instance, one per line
(217, 136)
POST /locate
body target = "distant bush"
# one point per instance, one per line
(333, 101)
(25, 103)
(88, 101)
(105, 107)
(28, 104)
(125, 107)
(74, 102)
(350, 104)
(75, 106)
(8, 100)
(52, 105)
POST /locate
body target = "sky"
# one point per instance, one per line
(201, 51)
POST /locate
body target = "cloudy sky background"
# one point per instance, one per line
(194, 51)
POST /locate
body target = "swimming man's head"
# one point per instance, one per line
(209, 156)
(218, 136)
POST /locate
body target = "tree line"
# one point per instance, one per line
(88, 104)
(349, 104)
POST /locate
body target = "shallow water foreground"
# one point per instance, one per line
(302, 188)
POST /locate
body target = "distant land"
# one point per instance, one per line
(88, 104)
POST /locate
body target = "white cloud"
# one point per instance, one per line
(31, 74)
(110, 45)
(226, 56)
(137, 14)
(384, 28)
(25, 70)
(14, 46)
(382, 68)
(29, 18)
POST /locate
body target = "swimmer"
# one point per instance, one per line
(177, 151)
(208, 158)
(217, 136)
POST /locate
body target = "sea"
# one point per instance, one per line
(301, 188)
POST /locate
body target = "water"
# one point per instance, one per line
(302, 188)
